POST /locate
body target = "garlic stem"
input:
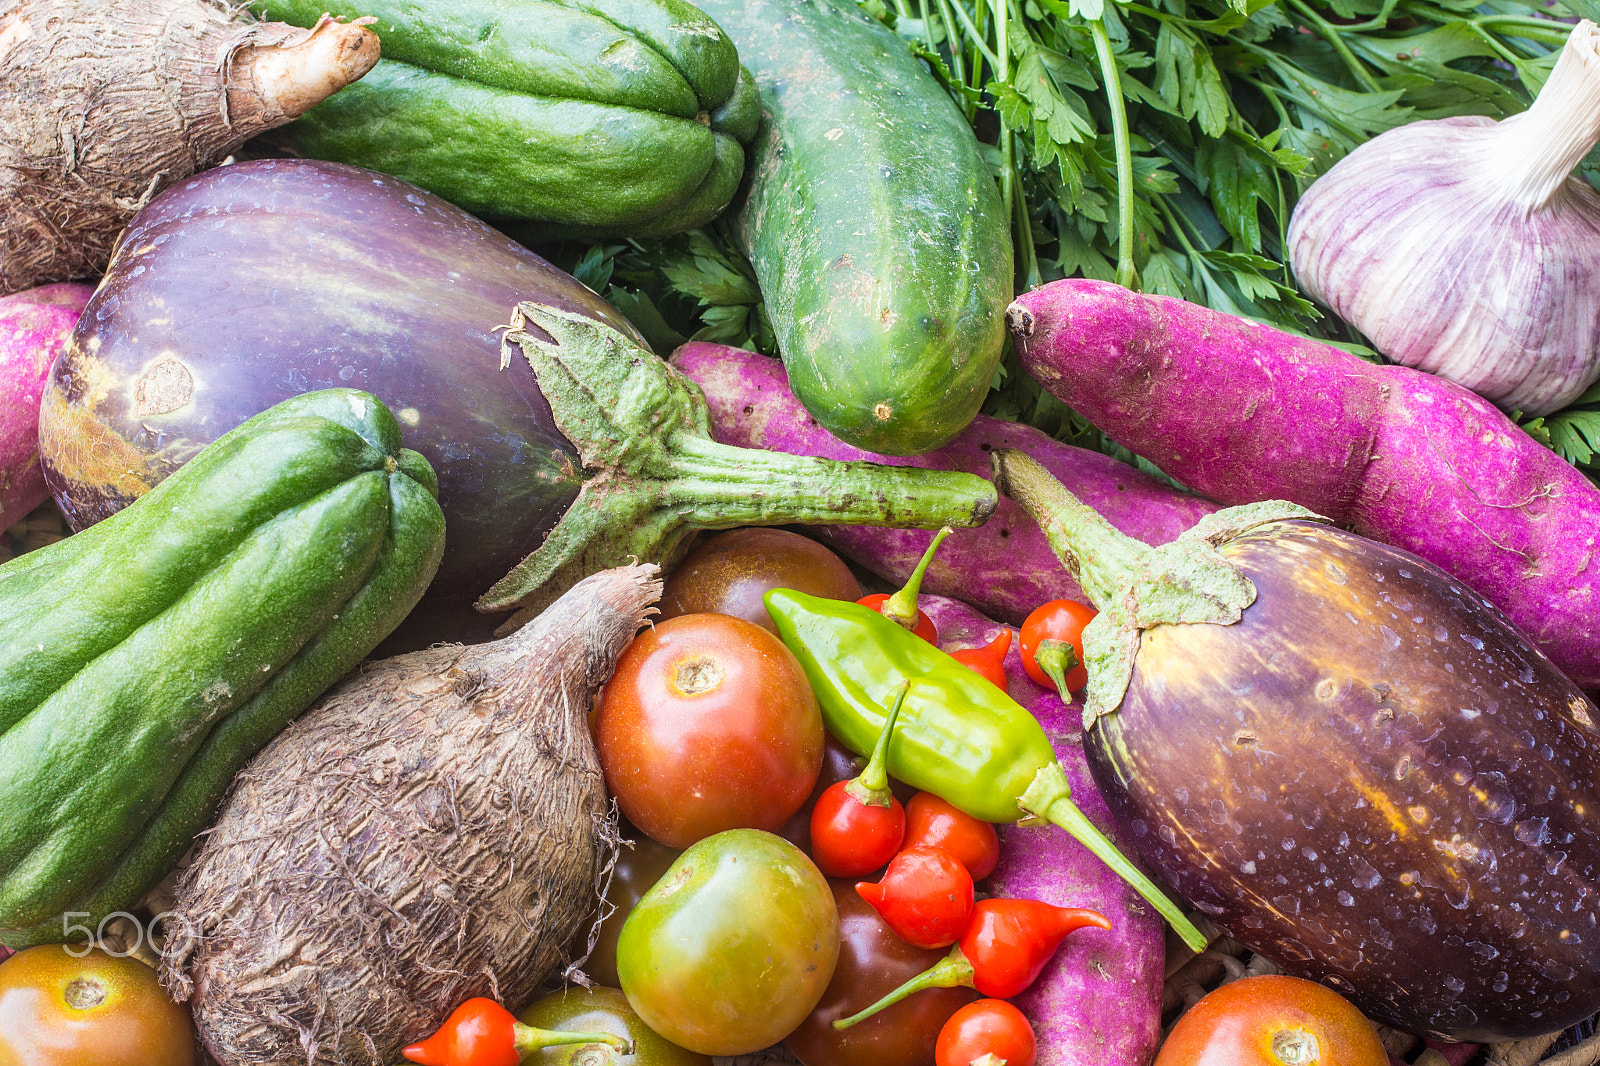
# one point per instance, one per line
(1531, 155)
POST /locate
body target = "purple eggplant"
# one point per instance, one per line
(1348, 760)
(259, 280)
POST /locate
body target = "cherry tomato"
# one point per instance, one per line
(990, 1029)
(1061, 620)
(924, 627)
(1273, 1020)
(925, 895)
(100, 1010)
(933, 823)
(873, 961)
(637, 870)
(733, 947)
(707, 723)
(728, 574)
(601, 1010)
(850, 838)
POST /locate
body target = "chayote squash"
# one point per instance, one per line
(143, 660)
(597, 116)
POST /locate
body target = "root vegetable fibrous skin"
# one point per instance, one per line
(433, 830)
(104, 102)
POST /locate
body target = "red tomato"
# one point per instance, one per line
(1061, 620)
(986, 1027)
(850, 838)
(1273, 1021)
(707, 724)
(98, 1010)
(933, 823)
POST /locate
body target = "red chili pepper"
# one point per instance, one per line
(932, 822)
(481, 1032)
(902, 606)
(986, 1032)
(989, 660)
(1052, 645)
(1003, 949)
(925, 896)
(857, 825)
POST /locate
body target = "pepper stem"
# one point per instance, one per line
(952, 971)
(901, 608)
(528, 1039)
(1057, 658)
(870, 787)
(1049, 796)
(654, 474)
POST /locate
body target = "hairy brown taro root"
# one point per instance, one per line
(104, 102)
(432, 830)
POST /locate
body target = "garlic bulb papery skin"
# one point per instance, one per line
(1466, 248)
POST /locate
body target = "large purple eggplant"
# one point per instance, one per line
(1350, 761)
(256, 281)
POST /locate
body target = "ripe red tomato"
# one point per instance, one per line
(850, 838)
(708, 723)
(933, 823)
(1273, 1021)
(924, 627)
(1061, 620)
(987, 1027)
(98, 1010)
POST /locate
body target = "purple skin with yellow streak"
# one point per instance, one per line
(1098, 1001)
(1003, 566)
(1243, 412)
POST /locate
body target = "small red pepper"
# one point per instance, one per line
(901, 608)
(986, 1032)
(481, 1032)
(988, 661)
(932, 822)
(925, 896)
(1005, 946)
(858, 825)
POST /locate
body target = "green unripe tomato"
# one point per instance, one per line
(601, 1010)
(733, 947)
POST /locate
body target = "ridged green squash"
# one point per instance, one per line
(597, 116)
(143, 660)
(877, 234)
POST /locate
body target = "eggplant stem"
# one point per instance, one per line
(1049, 796)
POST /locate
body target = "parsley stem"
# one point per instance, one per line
(1331, 35)
(1127, 276)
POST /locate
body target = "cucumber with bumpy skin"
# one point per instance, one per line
(877, 234)
(143, 660)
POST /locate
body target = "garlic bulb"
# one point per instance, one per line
(1465, 247)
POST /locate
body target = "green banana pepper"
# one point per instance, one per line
(958, 736)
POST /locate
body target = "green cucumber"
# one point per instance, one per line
(878, 236)
(596, 116)
(143, 660)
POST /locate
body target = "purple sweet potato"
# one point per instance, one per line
(1098, 1002)
(1243, 412)
(1004, 566)
(34, 324)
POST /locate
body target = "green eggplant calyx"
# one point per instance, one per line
(952, 971)
(1050, 797)
(654, 475)
(1136, 586)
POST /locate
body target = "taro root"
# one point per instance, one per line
(104, 102)
(432, 830)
